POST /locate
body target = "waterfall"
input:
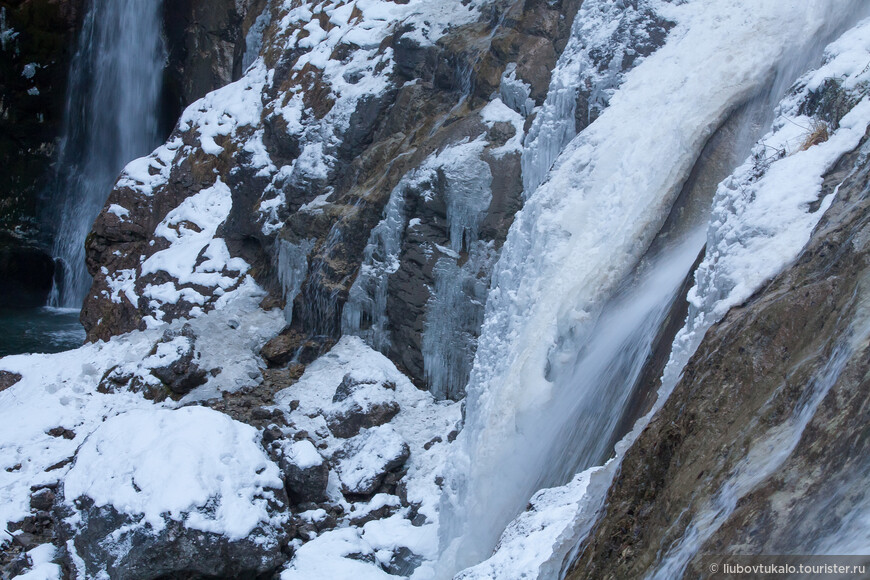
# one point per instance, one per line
(577, 242)
(111, 118)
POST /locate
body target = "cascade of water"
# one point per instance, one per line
(111, 118)
(574, 243)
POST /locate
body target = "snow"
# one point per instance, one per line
(497, 111)
(215, 462)
(118, 210)
(745, 247)
(584, 229)
(368, 455)
(123, 283)
(393, 532)
(592, 61)
(195, 255)
(224, 111)
(60, 390)
(529, 542)
(55, 391)
(146, 174)
(303, 454)
(326, 557)
(420, 421)
(42, 567)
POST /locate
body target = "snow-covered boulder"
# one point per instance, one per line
(306, 473)
(154, 492)
(359, 404)
(365, 461)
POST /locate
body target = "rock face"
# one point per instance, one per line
(766, 409)
(206, 46)
(306, 473)
(36, 40)
(396, 154)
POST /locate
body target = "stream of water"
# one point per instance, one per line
(112, 114)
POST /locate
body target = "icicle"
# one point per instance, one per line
(365, 313)
(453, 319)
(292, 263)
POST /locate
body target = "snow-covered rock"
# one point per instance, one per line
(159, 491)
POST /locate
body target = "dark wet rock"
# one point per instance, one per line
(182, 375)
(248, 404)
(31, 111)
(830, 102)
(205, 45)
(347, 422)
(42, 499)
(62, 432)
(37, 528)
(306, 473)
(13, 561)
(26, 273)
(359, 404)
(7, 379)
(348, 386)
(403, 562)
(59, 465)
(175, 551)
(280, 350)
(292, 346)
(380, 513)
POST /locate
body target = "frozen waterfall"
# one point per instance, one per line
(578, 241)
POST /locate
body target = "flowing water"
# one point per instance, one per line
(111, 118)
(44, 330)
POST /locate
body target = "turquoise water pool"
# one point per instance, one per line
(43, 330)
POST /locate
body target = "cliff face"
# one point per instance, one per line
(36, 42)
(760, 449)
(206, 47)
(354, 146)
